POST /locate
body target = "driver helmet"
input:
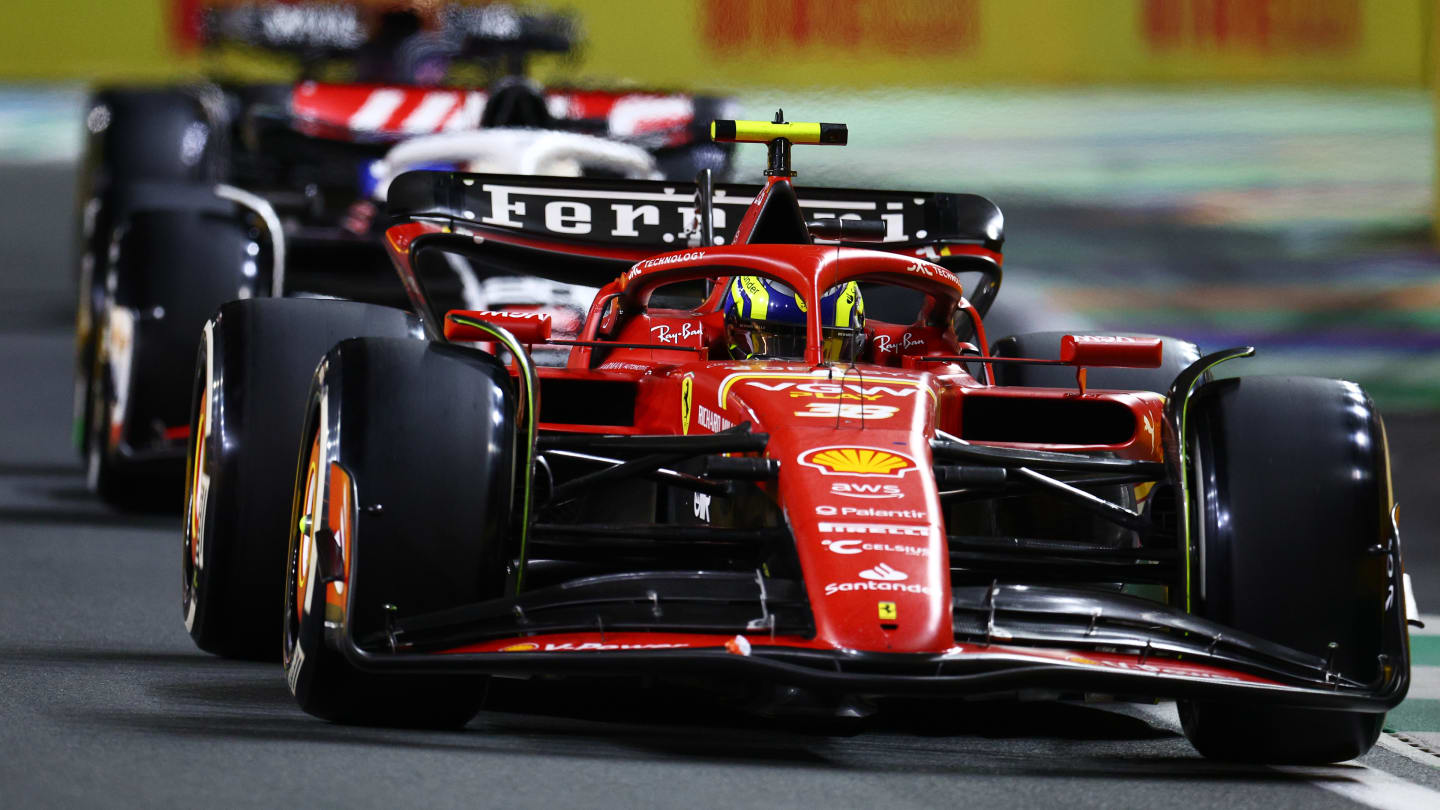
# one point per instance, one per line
(766, 319)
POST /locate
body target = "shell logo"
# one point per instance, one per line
(524, 646)
(860, 461)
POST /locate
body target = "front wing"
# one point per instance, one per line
(1008, 639)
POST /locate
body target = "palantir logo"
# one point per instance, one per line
(883, 573)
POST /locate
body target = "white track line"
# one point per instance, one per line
(1431, 628)
(1369, 786)
(1396, 743)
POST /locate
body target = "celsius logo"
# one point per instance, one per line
(883, 573)
(848, 547)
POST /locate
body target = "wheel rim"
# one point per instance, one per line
(309, 523)
(99, 422)
(197, 494)
(114, 349)
(301, 565)
(84, 356)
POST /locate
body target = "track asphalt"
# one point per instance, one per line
(104, 701)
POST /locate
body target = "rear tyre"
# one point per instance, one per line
(1175, 357)
(1291, 486)
(410, 505)
(252, 375)
(138, 135)
(172, 269)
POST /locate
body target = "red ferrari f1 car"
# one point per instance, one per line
(788, 457)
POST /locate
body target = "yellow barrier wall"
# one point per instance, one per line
(859, 43)
(866, 43)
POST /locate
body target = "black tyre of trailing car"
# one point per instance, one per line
(171, 269)
(1175, 357)
(252, 375)
(136, 135)
(1291, 486)
(427, 434)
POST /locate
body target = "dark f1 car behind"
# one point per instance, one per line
(194, 195)
(865, 514)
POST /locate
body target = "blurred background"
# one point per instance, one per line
(1230, 171)
(1227, 171)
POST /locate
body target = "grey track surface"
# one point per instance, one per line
(104, 701)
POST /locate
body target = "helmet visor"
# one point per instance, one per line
(769, 341)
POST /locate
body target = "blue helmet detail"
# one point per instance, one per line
(765, 318)
(755, 298)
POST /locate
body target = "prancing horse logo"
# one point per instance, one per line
(686, 396)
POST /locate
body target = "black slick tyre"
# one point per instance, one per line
(407, 507)
(172, 269)
(137, 135)
(1289, 488)
(252, 374)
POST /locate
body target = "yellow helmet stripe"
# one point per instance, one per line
(756, 295)
(737, 294)
(847, 304)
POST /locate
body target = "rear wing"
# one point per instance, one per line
(646, 217)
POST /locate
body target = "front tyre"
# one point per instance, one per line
(1290, 486)
(251, 379)
(404, 511)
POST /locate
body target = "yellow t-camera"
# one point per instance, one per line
(766, 131)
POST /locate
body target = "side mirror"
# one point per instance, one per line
(527, 327)
(1111, 350)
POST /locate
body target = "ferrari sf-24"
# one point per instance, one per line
(782, 456)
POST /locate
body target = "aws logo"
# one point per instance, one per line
(858, 461)
(865, 490)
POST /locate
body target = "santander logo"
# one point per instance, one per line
(884, 573)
